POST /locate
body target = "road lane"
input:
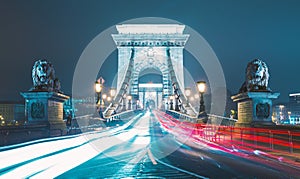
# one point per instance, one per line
(141, 148)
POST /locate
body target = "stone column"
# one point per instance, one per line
(254, 108)
(45, 108)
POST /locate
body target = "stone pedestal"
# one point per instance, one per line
(254, 108)
(45, 108)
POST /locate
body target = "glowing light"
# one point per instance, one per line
(150, 85)
(295, 94)
(98, 87)
(187, 92)
(104, 96)
(201, 86)
(112, 92)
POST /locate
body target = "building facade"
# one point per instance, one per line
(288, 113)
(12, 113)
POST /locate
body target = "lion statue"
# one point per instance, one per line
(257, 77)
(43, 77)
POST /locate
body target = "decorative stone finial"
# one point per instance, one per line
(43, 77)
(257, 77)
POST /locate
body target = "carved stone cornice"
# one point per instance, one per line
(150, 40)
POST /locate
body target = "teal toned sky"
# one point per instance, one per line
(238, 31)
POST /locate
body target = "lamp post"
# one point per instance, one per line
(201, 88)
(98, 89)
(124, 104)
(176, 97)
(171, 102)
(129, 102)
(112, 92)
(177, 103)
(137, 104)
(187, 94)
(104, 97)
(108, 99)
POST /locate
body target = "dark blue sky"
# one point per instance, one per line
(238, 31)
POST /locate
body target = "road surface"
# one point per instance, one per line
(141, 148)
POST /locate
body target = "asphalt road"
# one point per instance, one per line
(142, 148)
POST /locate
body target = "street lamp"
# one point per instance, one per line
(104, 96)
(98, 89)
(281, 112)
(129, 102)
(201, 85)
(187, 94)
(176, 97)
(123, 101)
(137, 104)
(171, 102)
(112, 92)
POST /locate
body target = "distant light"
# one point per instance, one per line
(256, 152)
(294, 94)
(150, 85)
(112, 92)
(104, 96)
(187, 92)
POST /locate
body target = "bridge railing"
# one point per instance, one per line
(212, 119)
(220, 120)
(276, 140)
(181, 116)
(88, 122)
(120, 116)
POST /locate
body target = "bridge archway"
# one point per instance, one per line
(151, 46)
(150, 80)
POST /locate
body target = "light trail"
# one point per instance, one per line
(50, 159)
(241, 142)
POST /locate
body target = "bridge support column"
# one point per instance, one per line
(254, 108)
(45, 108)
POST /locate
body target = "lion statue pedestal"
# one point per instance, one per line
(44, 101)
(255, 97)
(254, 108)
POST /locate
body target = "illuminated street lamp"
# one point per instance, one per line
(98, 89)
(104, 96)
(281, 112)
(187, 94)
(171, 102)
(129, 102)
(201, 85)
(192, 98)
(112, 92)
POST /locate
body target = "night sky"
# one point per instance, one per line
(237, 31)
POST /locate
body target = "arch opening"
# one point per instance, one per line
(150, 88)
